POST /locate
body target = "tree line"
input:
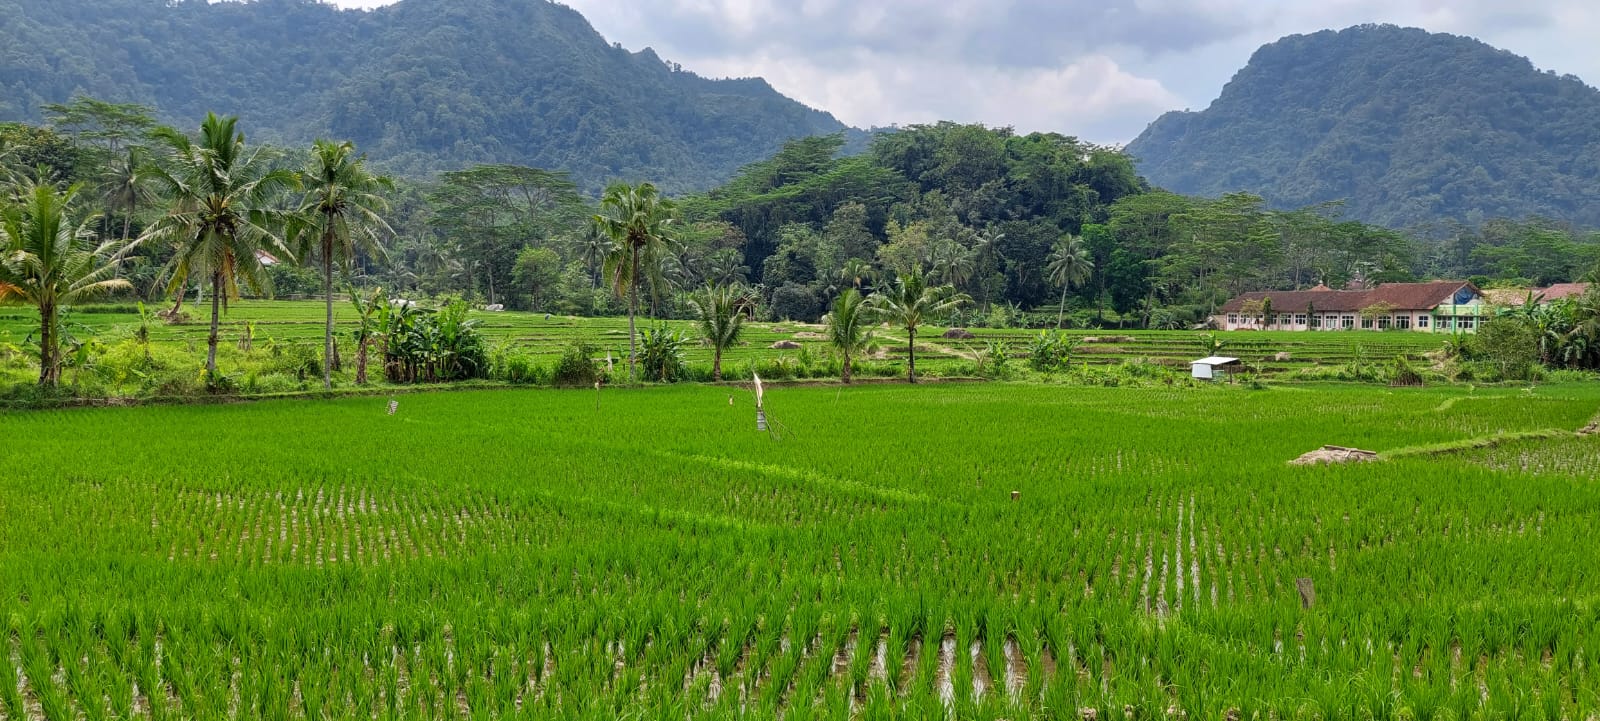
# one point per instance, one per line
(1039, 229)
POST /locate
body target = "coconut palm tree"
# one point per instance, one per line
(48, 259)
(856, 273)
(849, 329)
(340, 211)
(126, 185)
(986, 253)
(909, 303)
(636, 217)
(719, 313)
(1070, 266)
(221, 218)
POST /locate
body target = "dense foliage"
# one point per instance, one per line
(421, 85)
(1406, 126)
(978, 208)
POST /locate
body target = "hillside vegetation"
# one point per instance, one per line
(422, 85)
(1404, 125)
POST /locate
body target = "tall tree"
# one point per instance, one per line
(637, 218)
(341, 212)
(48, 259)
(488, 213)
(909, 303)
(1070, 266)
(849, 329)
(719, 315)
(221, 214)
(126, 185)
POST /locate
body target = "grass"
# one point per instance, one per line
(646, 553)
(286, 347)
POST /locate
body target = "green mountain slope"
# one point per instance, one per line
(1406, 126)
(421, 85)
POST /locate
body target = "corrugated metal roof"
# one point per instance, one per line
(1215, 360)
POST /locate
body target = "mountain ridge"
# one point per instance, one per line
(1406, 126)
(421, 85)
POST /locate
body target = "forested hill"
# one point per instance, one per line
(1407, 126)
(421, 85)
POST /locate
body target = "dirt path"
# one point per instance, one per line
(945, 350)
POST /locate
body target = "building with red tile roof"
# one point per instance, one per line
(1435, 306)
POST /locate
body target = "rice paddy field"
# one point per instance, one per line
(266, 322)
(970, 551)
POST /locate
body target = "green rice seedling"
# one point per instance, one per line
(529, 556)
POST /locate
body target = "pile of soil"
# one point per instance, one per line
(1335, 454)
(171, 318)
(959, 334)
(785, 345)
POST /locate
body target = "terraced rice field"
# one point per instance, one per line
(973, 551)
(1273, 352)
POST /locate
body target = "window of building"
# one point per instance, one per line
(1403, 322)
(1300, 319)
(1316, 322)
(1385, 322)
(1347, 322)
(1422, 321)
(1233, 319)
(1467, 322)
(1366, 323)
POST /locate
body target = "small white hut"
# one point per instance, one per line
(1212, 367)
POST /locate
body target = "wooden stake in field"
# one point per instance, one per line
(394, 405)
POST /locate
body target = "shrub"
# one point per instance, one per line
(509, 365)
(576, 368)
(1404, 374)
(661, 354)
(297, 360)
(994, 361)
(1050, 351)
(1510, 346)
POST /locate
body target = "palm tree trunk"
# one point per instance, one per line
(1062, 311)
(633, 310)
(216, 314)
(48, 371)
(911, 355)
(177, 305)
(327, 296)
(361, 362)
(846, 375)
(716, 366)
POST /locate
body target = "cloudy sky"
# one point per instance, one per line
(1099, 69)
